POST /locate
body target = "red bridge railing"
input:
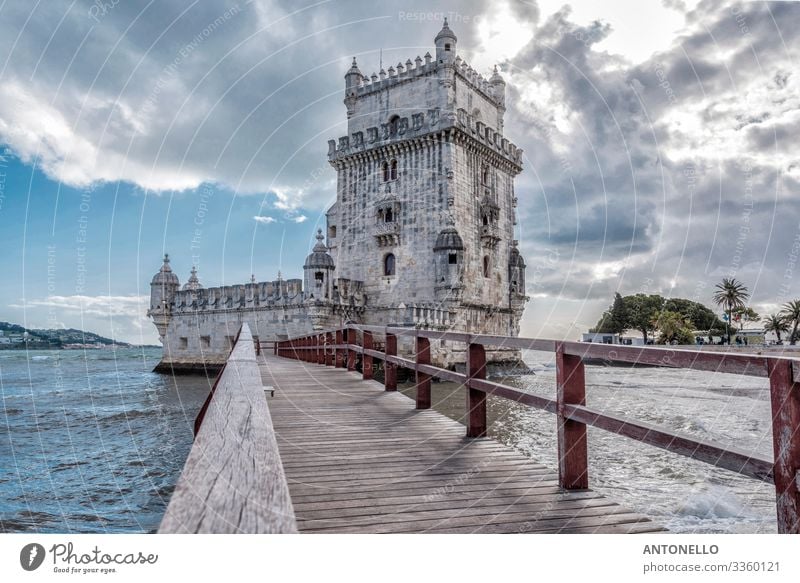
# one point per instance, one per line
(341, 347)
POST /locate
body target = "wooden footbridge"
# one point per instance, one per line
(295, 439)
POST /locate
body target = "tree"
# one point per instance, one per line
(674, 328)
(776, 323)
(791, 311)
(745, 315)
(643, 311)
(730, 295)
(615, 319)
(701, 317)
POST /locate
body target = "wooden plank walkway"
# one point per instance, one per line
(363, 460)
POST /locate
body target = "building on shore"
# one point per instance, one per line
(421, 233)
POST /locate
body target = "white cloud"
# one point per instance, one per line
(300, 219)
(264, 220)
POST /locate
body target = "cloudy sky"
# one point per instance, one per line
(656, 135)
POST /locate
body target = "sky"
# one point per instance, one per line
(656, 135)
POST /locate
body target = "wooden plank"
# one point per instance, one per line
(360, 459)
(233, 480)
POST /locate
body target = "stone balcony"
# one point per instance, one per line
(387, 234)
(490, 236)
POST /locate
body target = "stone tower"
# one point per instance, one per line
(163, 287)
(425, 205)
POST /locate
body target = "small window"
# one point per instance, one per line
(393, 172)
(485, 175)
(485, 220)
(386, 172)
(332, 232)
(452, 259)
(184, 342)
(319, 276)
(388, 265)
(394, 122)
(205, 341)
(447, 46)
(388, 217)
(486, 266)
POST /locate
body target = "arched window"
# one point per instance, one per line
(388, 218)
(394, 170)
(386, 172)
(485, 175)
(486, 266)
(319, 276)
(388, 265)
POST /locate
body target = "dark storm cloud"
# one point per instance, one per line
(666, 174)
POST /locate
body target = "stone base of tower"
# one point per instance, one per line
(189, 367)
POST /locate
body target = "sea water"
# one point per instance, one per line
(91, 441)
(679, 493)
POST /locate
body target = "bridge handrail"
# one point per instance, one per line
(340, 347)
(233, 479)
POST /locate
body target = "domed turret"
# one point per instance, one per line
(162, 289)
(352, 79)
(449, 264)
(449, 239)
(318, 270)
(446, 45)
(516, 272)
(192, 284)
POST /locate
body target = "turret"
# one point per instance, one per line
(192, 284)
(449, 264)
(498, 85)
(163, 287)
(352, 79)
(445, 45)
(516, 274)
(318, 269)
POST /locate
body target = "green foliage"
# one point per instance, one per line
(674, 328)
(776, 323)
(615, 319)
(791, 311)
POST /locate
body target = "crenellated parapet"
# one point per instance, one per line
(417, 129)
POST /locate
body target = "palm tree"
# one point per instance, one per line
(730, 295)
(791, 312)
(776, 323)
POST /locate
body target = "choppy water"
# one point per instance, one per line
(91, 441)
(94, 442)
(682, 494)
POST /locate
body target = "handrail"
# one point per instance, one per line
(340, 347)
(233, 479)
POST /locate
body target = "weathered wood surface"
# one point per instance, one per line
(362, 459)
(233, 480)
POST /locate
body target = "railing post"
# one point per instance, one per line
(320, 348)
(423, 379)
(785, 398)
(573, 451)
(352, 338)
(390, 368)
(476, 400)
(339, 352)
(366, 359)
(275, 348)
(328, 349)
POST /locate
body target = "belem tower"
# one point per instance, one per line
(421, 233)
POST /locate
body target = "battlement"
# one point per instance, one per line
(420, 124)
(275, 294)
(400, 74)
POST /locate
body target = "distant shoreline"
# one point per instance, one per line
(37, 346)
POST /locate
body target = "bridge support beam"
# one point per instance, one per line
(573, 451)
(339, 351)
(366, 359)
(476, 400)
(785, 398)
(390, 368)
(423, 379)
